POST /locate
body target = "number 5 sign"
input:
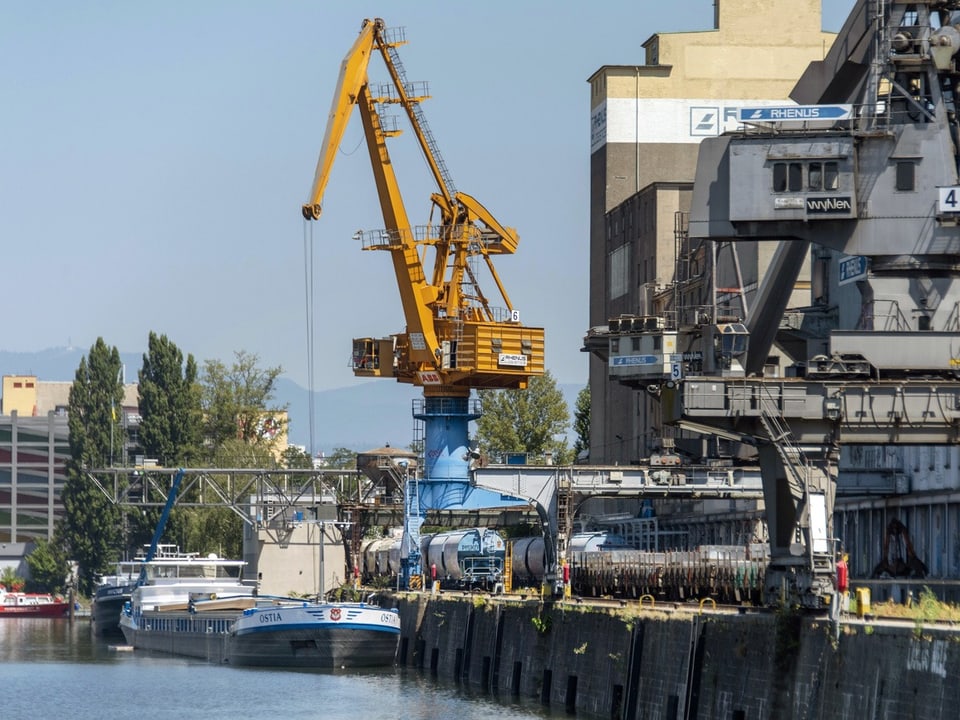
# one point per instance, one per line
(676, 371)
(949, 199)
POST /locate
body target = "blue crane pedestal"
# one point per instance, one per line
(445, 484)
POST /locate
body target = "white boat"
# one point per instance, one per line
(200, 607)
(315, 635)
(161, 614)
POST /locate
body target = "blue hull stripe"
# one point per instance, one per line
(282, 627)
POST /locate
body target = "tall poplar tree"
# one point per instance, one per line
(91, 525)
(171, 417)
(171, 426)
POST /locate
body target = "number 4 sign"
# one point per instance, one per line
(949, 199)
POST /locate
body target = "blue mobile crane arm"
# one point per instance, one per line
(161, 524)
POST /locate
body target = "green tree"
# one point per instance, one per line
(237, 453)
(218, 529)
(342, 458)
(296, 458)
(238, 401)
(91, 524)
(240, 428)
(171, 423)
(532, 421)
(209, 530)
(581, 422)
(171, 426)
(49, 568)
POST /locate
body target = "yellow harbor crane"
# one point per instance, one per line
(455, 340)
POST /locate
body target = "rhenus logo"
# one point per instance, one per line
(710, 121)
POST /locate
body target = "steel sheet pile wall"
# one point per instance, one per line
(629, 663)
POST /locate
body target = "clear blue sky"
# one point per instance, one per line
(155, 157)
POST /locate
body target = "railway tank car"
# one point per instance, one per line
(381, 558)
(467, 558)
(529, 562)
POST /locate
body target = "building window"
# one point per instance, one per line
(779, 177)
(906, 172)
(618, 272)
(788, 177)
(795, 177)
(831, 176)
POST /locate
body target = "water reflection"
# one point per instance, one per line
(52, 666)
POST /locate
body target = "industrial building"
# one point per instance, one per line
(34, 448)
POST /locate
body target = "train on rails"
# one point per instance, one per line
(598, 564)
(463, 559)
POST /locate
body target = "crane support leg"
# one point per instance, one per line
(799, 512)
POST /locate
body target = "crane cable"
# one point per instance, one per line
(308, 285)
(308, 276)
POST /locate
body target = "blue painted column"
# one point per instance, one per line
(446, 479)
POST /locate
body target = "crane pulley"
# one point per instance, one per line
(455, 338)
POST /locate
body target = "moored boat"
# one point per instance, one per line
(161, 614)
(200, 607)
(315, 635)
(111, 595)
(41, 605)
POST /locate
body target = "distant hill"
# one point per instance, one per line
(360, 417)
(58, 364)
(364, 416)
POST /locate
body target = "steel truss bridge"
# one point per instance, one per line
(261, 498)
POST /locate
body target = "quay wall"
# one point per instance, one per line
(630, 662)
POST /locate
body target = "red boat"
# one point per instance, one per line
(19, 604)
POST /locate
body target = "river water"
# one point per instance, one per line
(58, 669)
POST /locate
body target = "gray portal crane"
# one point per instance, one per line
(865, 168)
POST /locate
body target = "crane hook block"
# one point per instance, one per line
(312, 212)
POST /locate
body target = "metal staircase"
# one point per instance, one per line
(800, 474)
(411, 101)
